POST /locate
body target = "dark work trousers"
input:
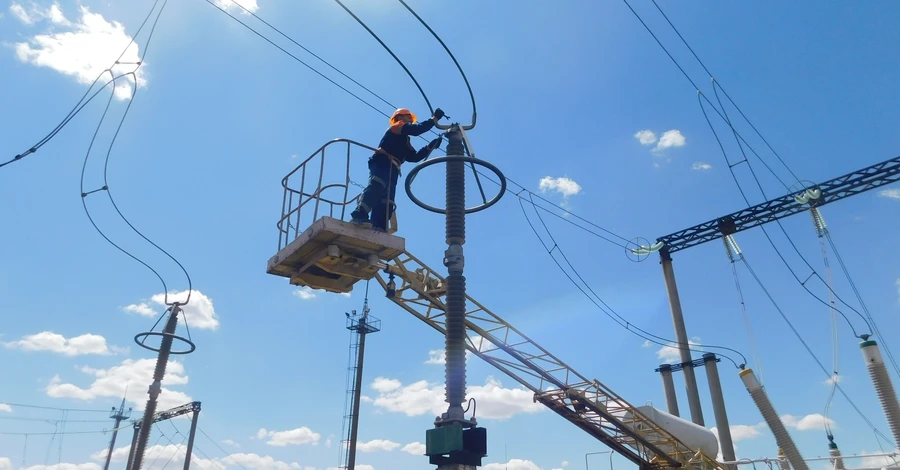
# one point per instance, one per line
(378, 194)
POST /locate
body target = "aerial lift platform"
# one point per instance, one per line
(332, 254)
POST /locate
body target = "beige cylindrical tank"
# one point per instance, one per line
(692, 435)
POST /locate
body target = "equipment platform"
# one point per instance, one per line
(333, 255)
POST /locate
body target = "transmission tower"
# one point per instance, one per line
(360, 325)
(119, 415)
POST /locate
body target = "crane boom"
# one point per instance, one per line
(588, 404)
(853, 183)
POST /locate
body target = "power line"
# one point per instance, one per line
(82, 103)
(603, 306)
(21, 405)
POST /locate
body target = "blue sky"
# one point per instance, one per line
(574, 94)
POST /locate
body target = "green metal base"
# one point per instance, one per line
(451, 444)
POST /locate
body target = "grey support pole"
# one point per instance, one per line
(883, 386)
(665, 371)
(357, 392)
(190, 444)
(681, 337)
(782, 438)
(726, 446)
(134, 439)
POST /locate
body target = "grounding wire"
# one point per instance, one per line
(81, 103)
(605, 308)
(716, 82)
(769, 238)
(388, 49)
(806, 346)
(105, 186)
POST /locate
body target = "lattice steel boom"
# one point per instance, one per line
(857, 182)
(586, 403)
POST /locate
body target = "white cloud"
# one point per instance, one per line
(199, 312)
(5, 463)
(300, 436)
(436, 356)
(236, 5)
(563, 185)
(513, 464)
(646, 344)
(82, 50)
(890, 193)
(414, 448)
(55, 342)
(564, 464)
(740, 432)
(701, 166)
(669, 139)
(132, 375)
(494, 401)
(64, 466)
(811, 422)
(5, 408)
(645, 137)
(671, 354)
(158, 457)
(871, 461)
(376, 445)
(305, 293)
(229, 442)
(141, 309)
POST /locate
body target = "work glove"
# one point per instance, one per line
(438, 114)
(434, 144)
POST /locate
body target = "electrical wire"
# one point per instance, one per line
(716, 82)
(784, 317)
(106, 185)
(754, 351)
(81, 102)
(604, 307)
(21, 405)
(388, 49)
(778, 222)
(220, 448)
(458, 67)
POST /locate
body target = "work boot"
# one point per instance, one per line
(361, 219)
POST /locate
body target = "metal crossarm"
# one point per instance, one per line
(586, 403)
(859, 181)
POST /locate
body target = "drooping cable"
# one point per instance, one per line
(808, 349)
(733, 253)
(835, 358)
(106, 186)
(778, 222)
(603, 306)
(458, 67)
(716, 82)
(81, 102)
(388, 49)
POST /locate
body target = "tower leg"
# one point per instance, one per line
(726, 446)
(665, 371)
(690, 380)
(190, 444)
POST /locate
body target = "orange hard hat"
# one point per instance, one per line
(400, 111)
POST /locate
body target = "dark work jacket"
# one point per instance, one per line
(396, 142)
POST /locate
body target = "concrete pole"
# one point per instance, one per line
(726, 445)
(782, 438)
(883, 386)
(357, 391)
(134, 439)
(190, 444)
(681, 337)
(665, 371)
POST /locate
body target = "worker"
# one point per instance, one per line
(394, 149)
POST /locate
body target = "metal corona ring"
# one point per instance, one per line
(453, 158)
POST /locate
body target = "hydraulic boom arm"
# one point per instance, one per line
(586, 403)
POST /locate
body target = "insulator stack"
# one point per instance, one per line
(782, 438)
